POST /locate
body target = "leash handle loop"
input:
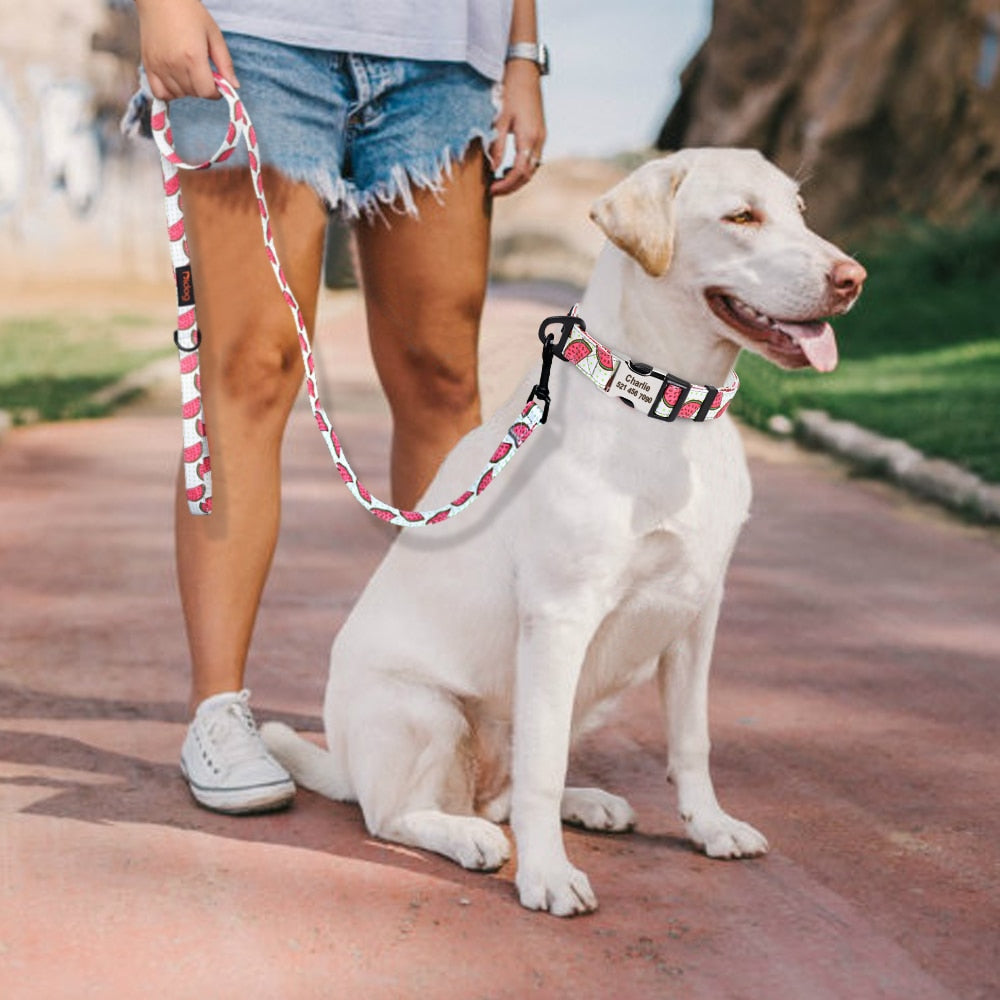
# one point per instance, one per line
(197, 463)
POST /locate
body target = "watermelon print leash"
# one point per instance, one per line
(632, 381)
(197, 459)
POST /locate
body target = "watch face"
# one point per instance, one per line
(543, 58)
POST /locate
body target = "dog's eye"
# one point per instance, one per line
(801, 203)
(744, 217)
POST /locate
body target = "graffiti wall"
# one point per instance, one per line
(76, 199)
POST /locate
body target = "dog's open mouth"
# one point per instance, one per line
(788, 343)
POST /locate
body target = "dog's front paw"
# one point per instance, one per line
(595, 809)
(722, 836)
(480, 845)
(564, 891)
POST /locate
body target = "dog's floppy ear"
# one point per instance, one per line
(637, 214)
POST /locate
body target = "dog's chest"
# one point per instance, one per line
(658, 596)
(668, 572)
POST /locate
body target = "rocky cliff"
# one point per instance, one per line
(886, 106)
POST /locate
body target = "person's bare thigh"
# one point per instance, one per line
(234, 283)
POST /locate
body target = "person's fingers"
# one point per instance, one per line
(218, 52)
(158, 87)
(504, 186)
(526, 163)
(498, 147)
(202, 83)
(192, 79)
(532, 159)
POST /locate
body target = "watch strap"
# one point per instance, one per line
(538, 53)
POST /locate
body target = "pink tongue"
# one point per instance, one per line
(817, 341)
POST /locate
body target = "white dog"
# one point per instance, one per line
(483, 646)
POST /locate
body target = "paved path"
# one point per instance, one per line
(855, 706)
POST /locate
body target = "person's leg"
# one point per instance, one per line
(424, 281)
(250, 375)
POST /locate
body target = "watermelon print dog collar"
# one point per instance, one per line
(639, 385)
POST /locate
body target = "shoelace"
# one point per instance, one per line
(233, 731)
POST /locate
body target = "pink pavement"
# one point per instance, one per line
(855, 705)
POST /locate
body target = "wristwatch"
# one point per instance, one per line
(538, 54)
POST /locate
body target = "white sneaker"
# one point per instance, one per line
(225, 762)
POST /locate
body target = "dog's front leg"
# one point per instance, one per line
(683, 678)
(550, 656)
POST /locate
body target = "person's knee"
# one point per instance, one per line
(261, 371)
(435, 384)
(435, 366)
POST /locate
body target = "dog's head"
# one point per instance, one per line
(728, 227)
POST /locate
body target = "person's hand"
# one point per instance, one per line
(521, 117)
(179, 42)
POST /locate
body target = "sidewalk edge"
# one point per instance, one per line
(932, 479)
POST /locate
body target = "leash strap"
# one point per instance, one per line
(197, 461)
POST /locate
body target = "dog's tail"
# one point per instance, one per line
(310, 765)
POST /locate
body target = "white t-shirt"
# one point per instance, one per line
(472, 31)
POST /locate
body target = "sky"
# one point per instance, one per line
(615, 69)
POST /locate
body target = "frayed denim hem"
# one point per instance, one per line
(393, 197)
(397, 194)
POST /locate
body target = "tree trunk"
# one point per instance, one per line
(883, 106)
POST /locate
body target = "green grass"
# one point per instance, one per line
(920, 352)
(50, 367)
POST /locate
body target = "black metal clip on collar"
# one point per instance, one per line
(550, 350)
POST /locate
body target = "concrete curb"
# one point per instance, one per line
(930, 479)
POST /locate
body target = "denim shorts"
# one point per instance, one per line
(361, 130)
